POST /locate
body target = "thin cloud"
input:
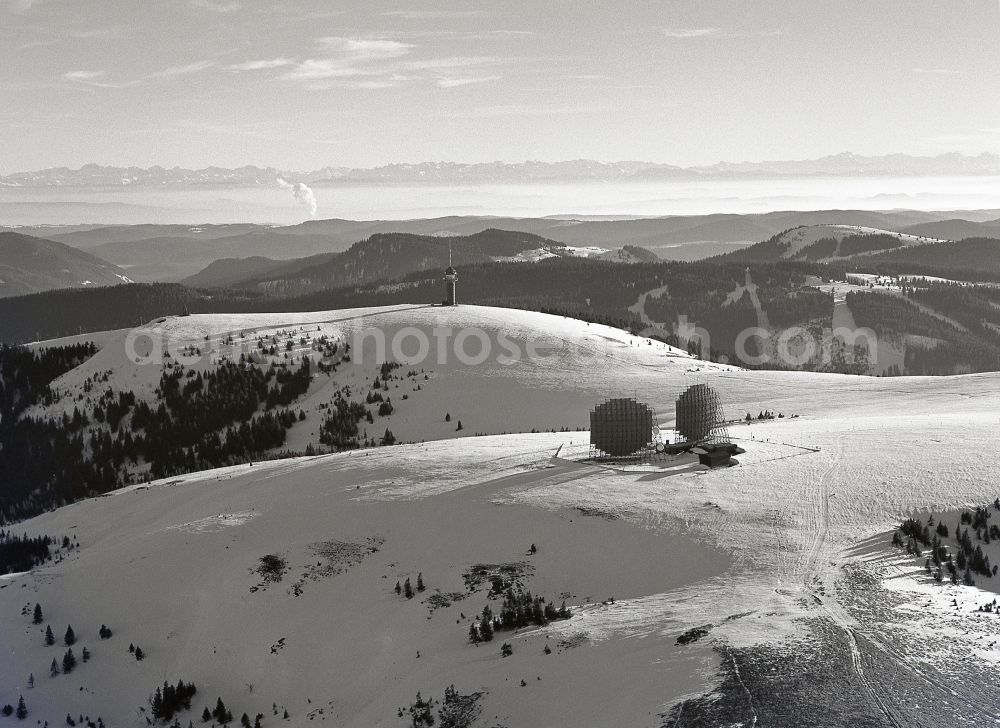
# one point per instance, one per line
(83, 75)
(218, 6)
(446, 62)
(938, 71)
(379, 62)
(432, 14)
(691, 32)
(456, 82)
(174, 71)
(364, 50)
(348, 57)
(95, 78)
(502, 110)
(262, 65)
(369, 84)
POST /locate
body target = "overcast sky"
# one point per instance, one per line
(302, 84)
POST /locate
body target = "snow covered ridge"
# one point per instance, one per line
(553, 251)
(411, 335)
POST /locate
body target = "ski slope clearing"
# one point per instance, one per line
(779, 567)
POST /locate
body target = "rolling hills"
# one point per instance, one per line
(146, 249)
(32, 265)
(390, 256)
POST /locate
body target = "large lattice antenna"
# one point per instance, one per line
(700, 417)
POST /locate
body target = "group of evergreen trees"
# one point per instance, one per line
(407, 589)
(171, 699)
(519, 609)
(21, 712)
(23, 553)
(85, 721)
(203, 419)
(340, 425)
(456, 711)
(220, 713)
(967, 560)
(42, 464)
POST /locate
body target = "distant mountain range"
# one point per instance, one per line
(846, 164)
(34, 265)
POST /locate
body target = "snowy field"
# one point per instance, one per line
(783, 561)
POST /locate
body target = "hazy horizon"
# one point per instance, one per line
(367, 202)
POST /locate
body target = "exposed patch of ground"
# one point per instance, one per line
(439, 600)
(597, 513)
(336, 557)
(694, 634)
(271, 569)
(790, 686)
(500, 577)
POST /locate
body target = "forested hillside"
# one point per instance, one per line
(30, 265)
(972, 259)
(388, 256)
(586, 289)
(973, 348)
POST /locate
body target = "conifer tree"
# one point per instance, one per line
(69, 662)
(206, 715)
(22, 709)
(70, 637)
(54, 668)
(37, 618)
(407, 589)
(399, 589)
(50, 638)
(156, 704)
(486, 625)
(420, 582)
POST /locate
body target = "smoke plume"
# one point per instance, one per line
(303, 193)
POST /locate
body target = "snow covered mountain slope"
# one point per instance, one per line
(497, 370)
(781, 565)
